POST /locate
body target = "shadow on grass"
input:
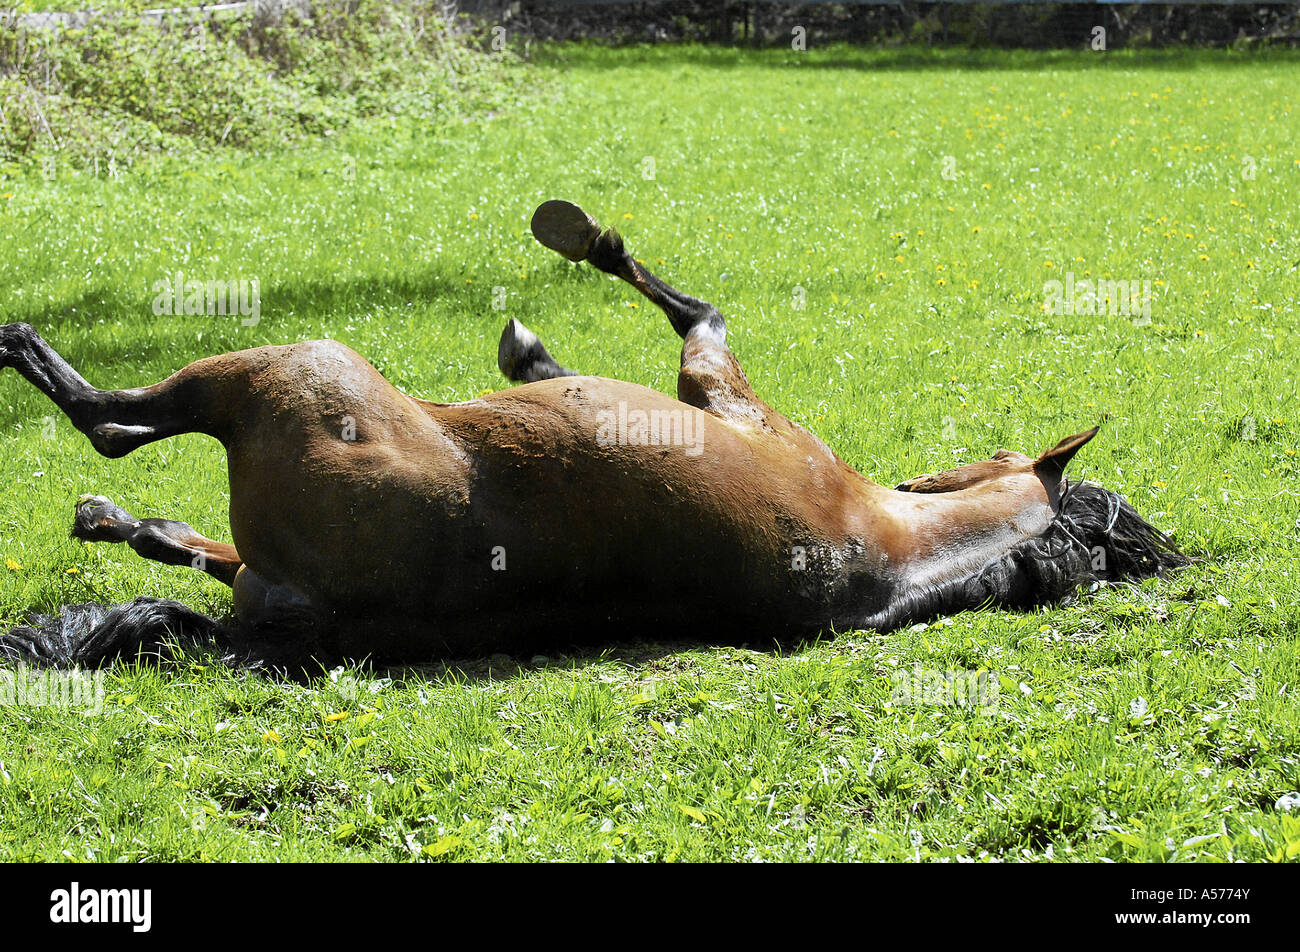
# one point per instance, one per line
(113, 337)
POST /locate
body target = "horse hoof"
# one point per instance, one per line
(99, 519)
(522, 356)
(565, 228)
(512, 351)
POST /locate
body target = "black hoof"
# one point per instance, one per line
(12, 338)
(522, 357)
(98, 519)
(565, 228)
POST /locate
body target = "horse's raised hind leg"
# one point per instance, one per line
(116, 421)
(162, 540)
(711, 378)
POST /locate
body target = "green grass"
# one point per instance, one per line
(1142, 723)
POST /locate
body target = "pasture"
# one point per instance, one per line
(881, 230)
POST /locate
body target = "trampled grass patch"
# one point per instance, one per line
(883, 231)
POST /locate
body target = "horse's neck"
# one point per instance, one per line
(930, 538)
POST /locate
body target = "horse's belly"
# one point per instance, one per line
(514, 505)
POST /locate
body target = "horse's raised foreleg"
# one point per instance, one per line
(523, 358)
(162, 540)
(116, 421)
(711, 378)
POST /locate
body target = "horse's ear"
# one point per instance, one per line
(1050, 467)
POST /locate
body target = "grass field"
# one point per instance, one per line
(881, 230)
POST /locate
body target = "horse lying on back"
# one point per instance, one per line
(366, 522)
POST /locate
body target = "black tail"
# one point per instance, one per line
(90, 635)
(1096, 537)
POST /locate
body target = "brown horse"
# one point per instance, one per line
(369, 522)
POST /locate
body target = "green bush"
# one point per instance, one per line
(127, 85)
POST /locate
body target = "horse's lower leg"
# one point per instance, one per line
(116, 421)
(523, 358)
(565, 228)
(162, 540)
(711, 378)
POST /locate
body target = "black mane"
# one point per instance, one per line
(1096, 537)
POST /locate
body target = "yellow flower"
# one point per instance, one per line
(271, 736)
(335, 718)
(13, 566)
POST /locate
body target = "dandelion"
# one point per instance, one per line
(13, 566)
